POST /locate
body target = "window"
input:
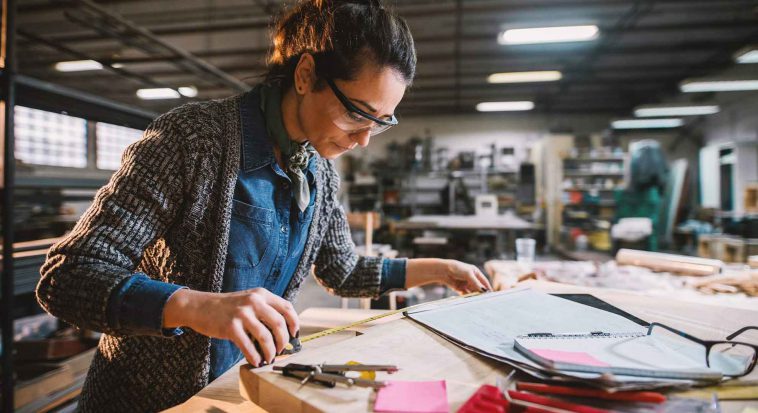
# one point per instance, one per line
(47, 138)
(111, 142)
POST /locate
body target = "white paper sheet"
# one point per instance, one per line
(489, 323)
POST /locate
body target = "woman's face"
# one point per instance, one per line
(322, 116)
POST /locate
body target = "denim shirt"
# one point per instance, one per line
(266, 240)
(268, 230)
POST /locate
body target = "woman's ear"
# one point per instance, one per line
(305, 74)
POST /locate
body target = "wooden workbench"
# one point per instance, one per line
(422, 354)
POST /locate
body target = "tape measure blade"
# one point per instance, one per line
(376, 317)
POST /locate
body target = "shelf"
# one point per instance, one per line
(63, 182)
(588, 159)
(590, 189)
(588, 173)
(598, 204)
(446, 173)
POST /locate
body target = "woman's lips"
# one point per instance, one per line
(341, 147)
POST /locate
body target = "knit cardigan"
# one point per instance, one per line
(166, 212)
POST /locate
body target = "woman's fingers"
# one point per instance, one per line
(275, 323)
(473, 284)
(262, 336)
(245, 344)
(483, 279)
(286, 309)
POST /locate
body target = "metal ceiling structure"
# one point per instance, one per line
(645, 48)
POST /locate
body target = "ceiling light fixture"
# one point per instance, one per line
(158, 93)
(716, 85)
(675, 110)
(505, 106)
(188, 91)
(167, 93)
(747, 55)
(525, 77)
(78, 66)
(647, 123)
(549, 35)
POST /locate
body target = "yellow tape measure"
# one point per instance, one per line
(376, 317)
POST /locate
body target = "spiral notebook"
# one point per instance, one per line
(631, 354)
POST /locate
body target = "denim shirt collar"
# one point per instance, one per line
(257, 147)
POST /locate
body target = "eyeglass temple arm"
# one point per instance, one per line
(350, 106)
(740, 331)
(675, 331)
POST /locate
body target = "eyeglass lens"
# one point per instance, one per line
(731, 359)
(679, 345)
(353, 123)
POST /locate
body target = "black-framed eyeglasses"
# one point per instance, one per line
(356, 120)
(731, 358)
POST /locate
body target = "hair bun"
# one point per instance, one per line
(341, 36)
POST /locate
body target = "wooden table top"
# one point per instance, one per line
(422, 354)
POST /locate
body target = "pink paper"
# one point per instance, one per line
(412, 397)
(575, 357)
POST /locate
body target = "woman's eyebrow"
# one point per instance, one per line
(366, 105)
(369, 107)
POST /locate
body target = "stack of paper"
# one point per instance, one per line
(490, 324)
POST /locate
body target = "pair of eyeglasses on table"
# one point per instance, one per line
(733, 358)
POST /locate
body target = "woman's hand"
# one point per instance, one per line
(242, 317)
(461, 277)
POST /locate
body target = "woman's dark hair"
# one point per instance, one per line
(341, 35)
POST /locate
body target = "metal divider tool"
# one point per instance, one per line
(328, 375)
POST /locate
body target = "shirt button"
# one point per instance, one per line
(284, 229)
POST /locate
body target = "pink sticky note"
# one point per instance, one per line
(412, 397)
(575, 357)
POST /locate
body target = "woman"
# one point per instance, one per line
(189, 257)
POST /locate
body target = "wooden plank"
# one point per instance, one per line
(419, 353)
(40, 387)
(223, 394)
(675, 263)
(55, 387)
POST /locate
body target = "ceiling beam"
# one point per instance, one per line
(694, 46)
(743, 21)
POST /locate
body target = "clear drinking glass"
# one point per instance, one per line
(525, 248)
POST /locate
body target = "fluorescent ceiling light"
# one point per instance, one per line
(647, 123)
(78, 66)
(158, 93)
(505, 106)
(548, 35)
(525, 77)
(718, 85)
(675, 110)
(188, 91)
(749, 55)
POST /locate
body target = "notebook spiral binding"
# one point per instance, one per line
(583, 335)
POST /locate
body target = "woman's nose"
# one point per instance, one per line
(362, 138)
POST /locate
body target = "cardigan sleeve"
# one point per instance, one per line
(105, 247)
(339, 269)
